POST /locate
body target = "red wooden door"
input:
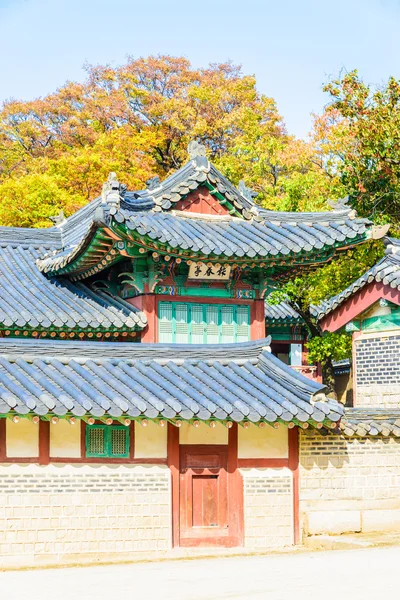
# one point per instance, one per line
(204, 501)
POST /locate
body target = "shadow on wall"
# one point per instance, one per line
(335, 450)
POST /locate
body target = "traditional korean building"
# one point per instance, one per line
(370, 310)
(141, 407)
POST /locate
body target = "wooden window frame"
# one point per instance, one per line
(108, 430)
(204, 306)
(45, 458)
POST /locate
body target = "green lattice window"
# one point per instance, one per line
(107, 441)
(190, 323)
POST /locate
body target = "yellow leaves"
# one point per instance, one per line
(29, 201)
(137, 120)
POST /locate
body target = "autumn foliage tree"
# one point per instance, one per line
(137, 120)
(359, 136)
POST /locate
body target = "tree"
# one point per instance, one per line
(359, 135)
(138, 119)
(305, 292)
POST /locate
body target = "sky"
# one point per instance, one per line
(292, 47)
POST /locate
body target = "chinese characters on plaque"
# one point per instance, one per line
(213, 273)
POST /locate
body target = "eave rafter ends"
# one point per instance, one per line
(203, 383)
(248, 233)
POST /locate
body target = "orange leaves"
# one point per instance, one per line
(137, 120)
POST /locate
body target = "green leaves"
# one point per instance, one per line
(137, 120)
(363, 140)
(329, 346)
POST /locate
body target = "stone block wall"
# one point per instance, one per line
(377, 370)
(268, 507)
(349, 484)
(60, 514)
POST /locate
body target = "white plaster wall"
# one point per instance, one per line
(22, 439)
(203, 434)
(263, 443)
(65, 440)
(268, 507)
(150, 441)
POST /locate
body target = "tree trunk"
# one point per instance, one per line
(315, 330)
(328, 378)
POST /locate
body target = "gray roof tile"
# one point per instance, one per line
(256, 232)
(29, 300)
(233, 381)
(365, 422)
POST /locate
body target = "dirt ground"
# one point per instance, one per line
(362, 574)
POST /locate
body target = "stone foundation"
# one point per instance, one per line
(382, 396)
(268, 507)
(349, 484)
(63, 513)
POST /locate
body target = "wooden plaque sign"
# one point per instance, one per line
(200, 271)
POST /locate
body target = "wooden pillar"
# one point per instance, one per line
(173, 463)
(44, 442)
(3, 451)
(235, 488)
(353, 367)
(294, 467)
(149, 308)
(257, 316)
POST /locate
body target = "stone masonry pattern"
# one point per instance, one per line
(349, 484)
(268, 511)
(88, 513)
(377, 361)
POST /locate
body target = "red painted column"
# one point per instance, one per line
(235, 487)
(44, 442)
(147, 303)
(294, 467)
(257, 317)
(3, 452)
(173, 463)
(354, 336)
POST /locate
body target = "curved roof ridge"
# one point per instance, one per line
(376, 273)
(328, 215)
(131, 351)
(234, 382)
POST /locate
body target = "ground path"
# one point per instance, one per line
(365, 574)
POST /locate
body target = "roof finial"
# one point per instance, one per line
(196, 149)
(58, 219)
(340, 204)
(111, 193)
(153, 183)
(246, 192)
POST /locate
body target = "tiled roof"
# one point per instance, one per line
(386, 271)
(363, 422)
(231, 236)
(198, 172)
(29, 300)
(148, 218)
(281, 313)
(233, 381)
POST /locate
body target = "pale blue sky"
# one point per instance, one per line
(292, 46)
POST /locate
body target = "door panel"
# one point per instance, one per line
(205, 501)
(204, 496)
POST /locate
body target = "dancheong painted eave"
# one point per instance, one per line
(150, 221)
(232, 382)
